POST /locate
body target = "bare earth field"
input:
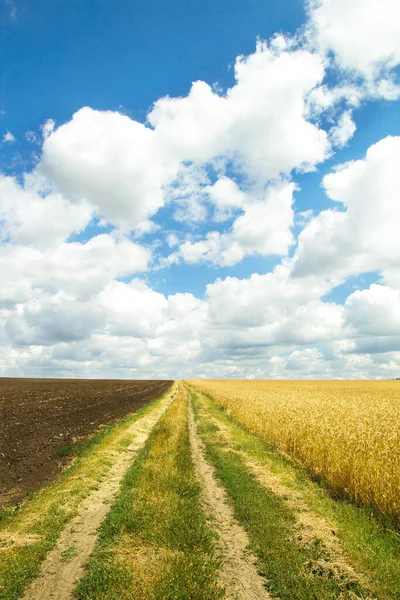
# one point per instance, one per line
(40, 416)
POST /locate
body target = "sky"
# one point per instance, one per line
(200, 189)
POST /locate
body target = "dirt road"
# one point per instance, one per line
(64, 565)
(239, 575)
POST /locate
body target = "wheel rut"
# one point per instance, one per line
(311, 527)
(239, 574)
(64, 565)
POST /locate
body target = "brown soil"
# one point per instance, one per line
(40, 416)
(239, 575)
(64, 565)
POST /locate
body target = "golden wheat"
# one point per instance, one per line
(348, 432)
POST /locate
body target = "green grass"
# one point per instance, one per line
(65, 451)
(30, 529)
(156, 543)
(292, 570)
(69, 553)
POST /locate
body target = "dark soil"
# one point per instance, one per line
(41, 418)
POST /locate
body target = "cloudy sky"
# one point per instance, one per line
(200, 189)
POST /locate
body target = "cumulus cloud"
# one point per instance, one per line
(31, 219)
(110, 161)
(364, 35)
(226, 196)
(307, 362)
(264, 326)
(127, 170)
(216, 248)
(374, 311)
(132, 310)
(263, 228)
(259, 123)
(274, 309)
(364, 235)
(222, 164)
(79, 269)
(48, 319)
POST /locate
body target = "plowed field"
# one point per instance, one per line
(40, 417)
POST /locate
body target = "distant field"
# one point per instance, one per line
(348, 432)
(40, 418)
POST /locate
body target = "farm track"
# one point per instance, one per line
(239, 574)
(311, 527)
(64, 565)
(41, 416)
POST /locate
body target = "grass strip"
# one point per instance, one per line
(30, 529)
(292, 570)
(370, 541)
(155, 543)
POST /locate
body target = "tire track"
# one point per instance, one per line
(311, 527)
(239, 575)
(64, 565)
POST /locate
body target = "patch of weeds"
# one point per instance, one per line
(69, 553)
(125, 442)
(66, 450)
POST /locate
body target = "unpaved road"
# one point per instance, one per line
(312, 528)
(239, 575)
(64, 565)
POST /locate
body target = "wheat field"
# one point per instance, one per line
(347, 432)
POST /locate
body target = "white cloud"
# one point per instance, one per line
(127, 170)
(70, 307)
(219, 249)
(265, 226)
(263, 229)
(273, 309)
(48, 128)
(364, 237)
(341, 133)
(307, 362)
(8, 137)
(264, 326)
(31, 137)
(77, 269)
(259, 123)
(132, 310)
(364, 35)
(187, 194)
(30, 219)
(226, 196)
(110, 161)
(47, 319)
(374, 311)
(172, 240)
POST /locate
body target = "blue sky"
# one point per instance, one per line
(242, 227)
